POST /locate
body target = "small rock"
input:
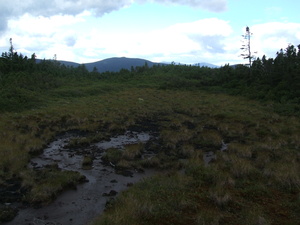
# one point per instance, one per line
(129, 184)
(140, 170)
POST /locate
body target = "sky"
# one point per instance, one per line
(181, 31)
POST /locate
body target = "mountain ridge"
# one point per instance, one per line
(115, 64)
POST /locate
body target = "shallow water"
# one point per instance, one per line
(80, 206)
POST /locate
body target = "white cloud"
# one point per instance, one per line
(185, 42)
(43, 26)
(16, 8)
(49, 27)
(196, 41)
(268, 38)
(210, 5)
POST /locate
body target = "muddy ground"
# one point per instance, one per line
(103, 182)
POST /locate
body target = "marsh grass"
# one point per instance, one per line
(186, 151)
(46, 184)
(87, 162)
(207, 217)
(262, 157)
(86, 139)
(171, 138)
(241, 150)
(254, 216)
(133, 151)
(286, 176)
(220, 197)
(13, 159)
(241, 168)
(112, 155)
(125, 164)
(210, 139)
(161, 203)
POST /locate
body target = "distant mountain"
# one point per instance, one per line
(203, 64)
(71, 64)
(116, 64)
(66, 63)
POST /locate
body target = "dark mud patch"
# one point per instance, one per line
(79, 206)
(10, 191)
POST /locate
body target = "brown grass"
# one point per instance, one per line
(132, 151)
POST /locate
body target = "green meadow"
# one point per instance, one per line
(256, 180)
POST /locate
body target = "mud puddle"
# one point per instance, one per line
(80, 206)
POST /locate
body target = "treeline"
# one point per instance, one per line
(268, 79)
(23, 79)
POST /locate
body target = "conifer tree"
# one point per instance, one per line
(246, 47)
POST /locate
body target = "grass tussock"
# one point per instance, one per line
(155, 206)
(46, 184)
(241, 168)
(241, 150)
(112, 155)
(132, 151)
(87, 162)
(209, 139)
(284, 175)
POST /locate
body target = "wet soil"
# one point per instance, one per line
(80, 206)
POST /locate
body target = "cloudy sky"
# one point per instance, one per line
(186, 31)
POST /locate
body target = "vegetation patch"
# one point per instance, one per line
(87, 162)
(192, 110)
(112, 156)
(46, 184)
